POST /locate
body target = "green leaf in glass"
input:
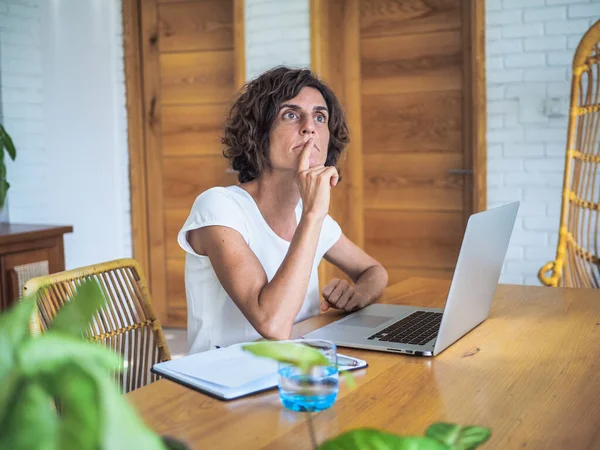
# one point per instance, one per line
(32, 424)
(75, 316)
(460, 438)
(52, 351)
(370, 439)
(294, 353)
(80, 419)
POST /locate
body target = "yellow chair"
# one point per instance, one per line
(577, 262)
(127, 324)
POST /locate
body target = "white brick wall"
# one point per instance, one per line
(63, 97)
(277, 32)
(22, 105)
(530, 47)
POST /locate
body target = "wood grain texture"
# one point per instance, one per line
(475, 125)
(174, 220)
(186, 178)
(188, 81)
(392, 17)
(204, 77)
(153, 158)
(199, 25)
(352, 97)
(327, 61)
(192, 130)
(413, 181)
(529, 372)
(176, 290)
(414, 238)
(411, 63)
(132, 49)
(239, 43)
(407, 122)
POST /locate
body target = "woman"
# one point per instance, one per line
(253, 250)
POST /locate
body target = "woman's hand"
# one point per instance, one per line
(342, 295)
(315, 183)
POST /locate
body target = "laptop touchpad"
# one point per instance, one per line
(365, 320)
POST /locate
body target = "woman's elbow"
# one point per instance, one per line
(274, 331)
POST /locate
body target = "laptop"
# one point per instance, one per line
(429, 331)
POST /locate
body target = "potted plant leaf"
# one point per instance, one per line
(439, 436)
(6, 146)
(56, 391)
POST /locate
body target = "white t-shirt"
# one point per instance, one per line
(214, 320)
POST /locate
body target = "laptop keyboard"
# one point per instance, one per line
(418, 328)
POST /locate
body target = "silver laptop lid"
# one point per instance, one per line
(477, 272)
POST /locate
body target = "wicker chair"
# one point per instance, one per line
(127, 324)
(577, 262)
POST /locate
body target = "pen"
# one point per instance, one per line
(346, 361)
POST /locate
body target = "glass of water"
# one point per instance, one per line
(312, 391)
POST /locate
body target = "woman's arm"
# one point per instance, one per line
(368, 275)
(271, 307)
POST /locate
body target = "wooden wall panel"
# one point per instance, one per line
(422, 240)
(191, 130)
(189, 75)
(413, 122)
(174, 220)
(189, 26)
(206, 77)
(413, 181)
(411, 63)
(390, 17)
(185, 178)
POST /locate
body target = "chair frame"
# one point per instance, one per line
(100, 271)
(574, 264)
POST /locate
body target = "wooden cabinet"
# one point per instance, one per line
(28, 251)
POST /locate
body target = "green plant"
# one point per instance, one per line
(55, 389)
(6, 143)
(439, 436)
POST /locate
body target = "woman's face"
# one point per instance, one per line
(299, 119)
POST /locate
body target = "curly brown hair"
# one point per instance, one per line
(246, 136)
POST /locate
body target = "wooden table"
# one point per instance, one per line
(531, 372)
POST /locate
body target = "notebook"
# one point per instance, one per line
(228, 373)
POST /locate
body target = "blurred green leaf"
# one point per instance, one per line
(174, 444)
(370, 439)
(444, 432)
(32, 424)
(53, 351)
(349, 379)
(122, 429)
(75, 316)
(14, 329)
(294, 353)
(8, 143)
(460, 438)
(472, 437)
(80, 419)
(9, 391)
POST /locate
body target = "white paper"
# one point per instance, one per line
(229, 367)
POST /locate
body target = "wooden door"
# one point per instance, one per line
(189, 77)
(412, 80)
